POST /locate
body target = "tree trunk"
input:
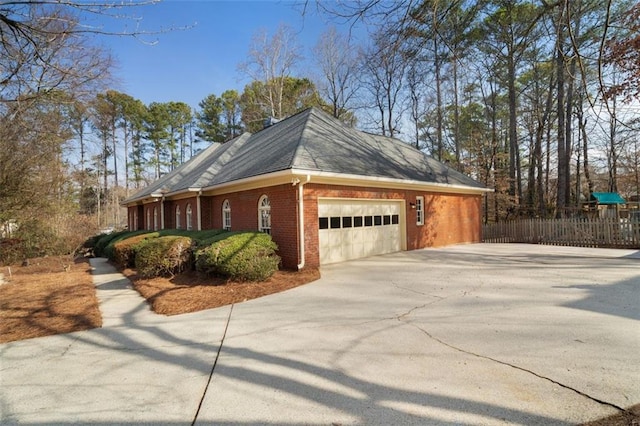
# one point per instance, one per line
(456, 112)
(439, 148)
(513, 132)
(563, 166)
(613, 149)
(582, 123)
(545, 120)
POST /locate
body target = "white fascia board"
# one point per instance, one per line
(253, 182)
(285, 176)
(383, 182)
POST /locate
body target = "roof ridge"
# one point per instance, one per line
(302, 139)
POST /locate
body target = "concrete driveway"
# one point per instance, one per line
(473, 334)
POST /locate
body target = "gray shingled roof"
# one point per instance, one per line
(311, 140)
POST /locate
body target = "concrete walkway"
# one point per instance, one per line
(139, 367)
(479, 334)
(120, 304)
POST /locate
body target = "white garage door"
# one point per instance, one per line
(351, 229)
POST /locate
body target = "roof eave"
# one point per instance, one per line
(386, 182)
(317, 176)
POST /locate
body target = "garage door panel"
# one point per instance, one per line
(351, 229)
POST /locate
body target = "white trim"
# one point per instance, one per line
(261, 211)
(188, 217)
(419, 210)
(155, 217)
(162, 213)
(284, 177)
(301, 233)
(353, 205)
(198, 210)
(384, 182)
(347, 180)
(226, 215)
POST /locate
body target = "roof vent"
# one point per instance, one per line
(269, 121)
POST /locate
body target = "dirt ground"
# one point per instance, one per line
(631, 417)
(56, 295)
(47, 296)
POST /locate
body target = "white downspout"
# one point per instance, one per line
(301, 221)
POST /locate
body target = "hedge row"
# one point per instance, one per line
(247, 256)
(163, 256)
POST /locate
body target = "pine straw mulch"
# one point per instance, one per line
(190, 291)
(50, 295)
(54, 295)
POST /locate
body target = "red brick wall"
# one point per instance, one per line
(244, 216)
(170, 213)
(207, 218)
(148, 208)
(449, 218)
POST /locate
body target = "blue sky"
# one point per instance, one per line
(187, 65)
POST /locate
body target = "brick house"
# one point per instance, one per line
(324, 191)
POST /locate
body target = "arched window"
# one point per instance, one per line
(189, 216)
(226, 215)
(264, 215)
(177, 217)
(149, 219)
(155, 218)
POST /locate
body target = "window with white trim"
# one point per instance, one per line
(226, 215)
(264, 215)
(178, 217)
(189, 217)
(420, 210)
(155, 218)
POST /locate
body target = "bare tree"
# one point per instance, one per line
(338, 61)
(384, 69)
(271, 60)
(47, 62)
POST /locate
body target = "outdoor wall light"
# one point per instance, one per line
(412, 205)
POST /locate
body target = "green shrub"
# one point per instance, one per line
(104, 240)
(245, 256)
(90, 243)
(163, 256)
(123, 252)
(211, 237)
(199, 238)
(109, 250)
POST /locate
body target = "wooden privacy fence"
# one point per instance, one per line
(611, 233)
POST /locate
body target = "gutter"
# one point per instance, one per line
(331, 178)
(301, 245)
